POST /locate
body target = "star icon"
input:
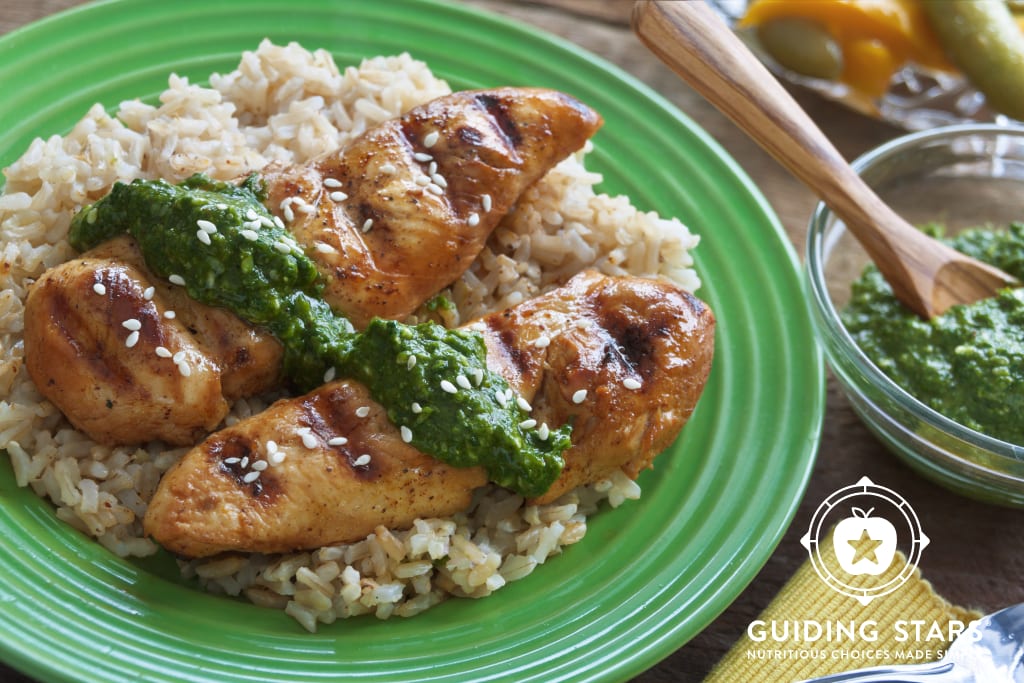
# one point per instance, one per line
(864, 548)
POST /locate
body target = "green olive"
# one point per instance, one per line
(802, 46)
(982, 38)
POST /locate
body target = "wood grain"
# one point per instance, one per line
(977, 553)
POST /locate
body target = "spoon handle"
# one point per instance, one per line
(692, 39)
(931, 672)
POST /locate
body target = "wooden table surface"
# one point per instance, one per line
(976, 557)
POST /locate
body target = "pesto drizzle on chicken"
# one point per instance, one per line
(218, 241)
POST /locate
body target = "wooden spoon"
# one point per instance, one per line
(695, 42)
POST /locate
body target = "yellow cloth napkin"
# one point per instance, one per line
(810, 629)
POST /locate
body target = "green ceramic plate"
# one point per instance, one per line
(647, 577)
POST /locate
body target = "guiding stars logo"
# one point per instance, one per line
(869, 522)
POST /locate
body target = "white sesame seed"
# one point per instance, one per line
(259, 465)
(411, 363)
(542, 342)
(163, 352)
(252, 225)
(329, 375)
(250, 235)
(362, 411)
(332, 182)
(434, 188)
(178, 357)
(338, 196)
(131, 324)
(448, 386)
(499, 395)
(250, 477)
(583, 324)
(289, 215)
(249, 214)
(362, 460)
(176, 280)
(222, 207)
(388, 168)
(268, 222)
(631, 383)
(406, 434)
(416, 408)
(439, 180)
(463, 382)
(431, 138)
(207, 226)
(523, 403)
(245, 462)
(148, 293)
(543, 432)
(422, 157)
(170, 315)
(485, 202)
(99, 288)
(432, 168)
(580, 396)
(309, 440)
(337, 441)
(422, 180)
(528, 424)
(306, 208)
(283, 247)
(325, 248)
(473, 220)
(277, 457)
(367, 225)
(278, 222)
(479, 326)
(478, 376)
(203, 237)
(184, 369)
(231, 461)
(132, 340)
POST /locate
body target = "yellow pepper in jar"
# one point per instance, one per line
(871, 39)
(862, 43)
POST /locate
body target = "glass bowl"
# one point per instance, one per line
(962, 176)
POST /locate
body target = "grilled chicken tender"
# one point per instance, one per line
(400, 213)
(406, 230)
(101, 345)
(624, 359)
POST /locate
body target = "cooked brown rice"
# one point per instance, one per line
(284, 103)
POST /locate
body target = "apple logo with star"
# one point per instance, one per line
(864, 544)
(868, 523)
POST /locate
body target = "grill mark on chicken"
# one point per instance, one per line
(241, 449)
(500, 116)
(469, 135)
(329, 414)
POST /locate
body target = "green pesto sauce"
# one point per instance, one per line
(968, 363)
(251, 265)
